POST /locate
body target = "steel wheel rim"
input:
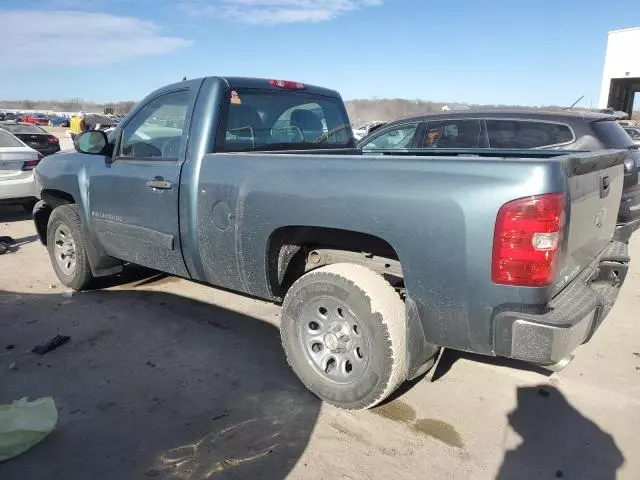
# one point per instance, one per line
(334, 340)
(64, 249)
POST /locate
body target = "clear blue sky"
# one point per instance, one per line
(534, 53)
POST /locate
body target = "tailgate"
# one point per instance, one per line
(595, 182)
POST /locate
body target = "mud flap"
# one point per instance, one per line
(419, 351)
(101, 264)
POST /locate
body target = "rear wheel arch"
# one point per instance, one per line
(289, 250)
(290, 256)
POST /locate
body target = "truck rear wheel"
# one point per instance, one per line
(343, 331)
(65, 243)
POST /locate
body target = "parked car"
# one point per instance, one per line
(364, 130)
(34, 136)
(378, 261)
(518, 129)
(36, 119)
(99, 122)
(58, 121)
(17, 162)
(634, 133)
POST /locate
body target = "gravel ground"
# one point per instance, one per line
(166, 378)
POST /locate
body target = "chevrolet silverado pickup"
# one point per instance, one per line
(378, 261)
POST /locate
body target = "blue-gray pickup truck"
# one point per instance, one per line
(379, 261)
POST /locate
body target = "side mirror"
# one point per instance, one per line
(92, 142)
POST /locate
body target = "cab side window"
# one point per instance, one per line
(395, 138)
(156, 131)
(521, 134)
(460, 133)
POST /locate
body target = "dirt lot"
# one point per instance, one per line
(164, 378)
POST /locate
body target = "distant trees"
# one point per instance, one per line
(68, 105)
(122, 108)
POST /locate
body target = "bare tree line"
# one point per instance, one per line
(69, 105)
(360, 111)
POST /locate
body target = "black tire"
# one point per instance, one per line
(67, 219)
(373, 304)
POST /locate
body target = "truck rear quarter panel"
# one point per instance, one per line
(437, 213)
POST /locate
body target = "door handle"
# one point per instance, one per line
(159, 183)
(604, 186)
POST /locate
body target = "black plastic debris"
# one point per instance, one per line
(543, 393)
(5, 243)
(52, 344)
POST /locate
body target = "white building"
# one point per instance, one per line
(621, 75)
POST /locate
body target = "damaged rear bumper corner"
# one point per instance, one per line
(573, 315)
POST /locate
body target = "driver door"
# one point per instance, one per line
(133, 198)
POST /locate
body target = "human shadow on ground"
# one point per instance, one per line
(153, 385)
(557, 441)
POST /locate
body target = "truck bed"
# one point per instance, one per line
(437, 214)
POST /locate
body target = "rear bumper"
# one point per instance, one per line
(19, 188)
(573, 315)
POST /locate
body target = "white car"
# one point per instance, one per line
(363, 130)
(17, 161)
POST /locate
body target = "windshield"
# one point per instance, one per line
(284, 120)
(17, 128)
(612, 134)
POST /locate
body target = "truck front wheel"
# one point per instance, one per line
(65, 243)
(343, 331)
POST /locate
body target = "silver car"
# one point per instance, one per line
(634, 133)
(17, 162)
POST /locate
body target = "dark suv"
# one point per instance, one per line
(518, 129)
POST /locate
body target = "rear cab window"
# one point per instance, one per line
(264, 119)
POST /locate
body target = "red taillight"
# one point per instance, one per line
(31, 164)
(52, 140)
(526, 241)
(286, 84)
